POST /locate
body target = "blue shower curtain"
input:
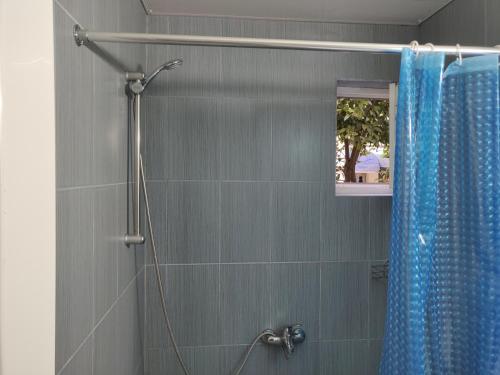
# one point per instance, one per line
(443, 314)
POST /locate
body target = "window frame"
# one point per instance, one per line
(367, 90)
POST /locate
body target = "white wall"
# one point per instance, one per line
(27, 188)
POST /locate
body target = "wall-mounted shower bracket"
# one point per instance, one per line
(131, 239)
(134, 90)
(134, 76)
(136, 84)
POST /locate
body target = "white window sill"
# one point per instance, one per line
(362, 190)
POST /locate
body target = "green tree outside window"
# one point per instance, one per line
(361, 124)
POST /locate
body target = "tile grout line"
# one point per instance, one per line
(93, 272)
(144, 301)
(317, 341)
(370, 250)
(220, 179)
(485, 22)
(137, 368)
(301, 99)
(271, 262)
(92, 358)
(91, 186)
(270, 179)
(272, 210)
(67, 12)
(116, 255)
(219, 227)
(92, 331)
(165, 190)
(162, 267)
(321, 198)
(368, 311)
(272, 190)
(270, 238)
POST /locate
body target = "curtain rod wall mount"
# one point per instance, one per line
(79, 35)
(85, 37)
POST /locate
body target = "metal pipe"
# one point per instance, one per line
(83, 37)
(137, 164)
(136, 237)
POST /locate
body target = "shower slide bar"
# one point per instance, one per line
(88, 38)
(85, 37)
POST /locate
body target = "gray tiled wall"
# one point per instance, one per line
(100, 282)
(465, 22)
(240, 167)
(240, 161)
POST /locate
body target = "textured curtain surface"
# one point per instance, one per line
(443, 313)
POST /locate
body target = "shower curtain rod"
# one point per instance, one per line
(85, 37)
(88, 38)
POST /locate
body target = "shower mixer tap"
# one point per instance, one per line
(289, 337)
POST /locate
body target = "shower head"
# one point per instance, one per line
(169, 65)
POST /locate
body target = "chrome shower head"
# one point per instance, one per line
(169, 65)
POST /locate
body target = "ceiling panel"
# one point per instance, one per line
(405, 12)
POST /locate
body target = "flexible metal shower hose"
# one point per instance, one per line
(161, 290)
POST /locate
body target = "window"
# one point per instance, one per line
(365, 138)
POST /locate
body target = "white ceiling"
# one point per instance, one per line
(404, 12)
